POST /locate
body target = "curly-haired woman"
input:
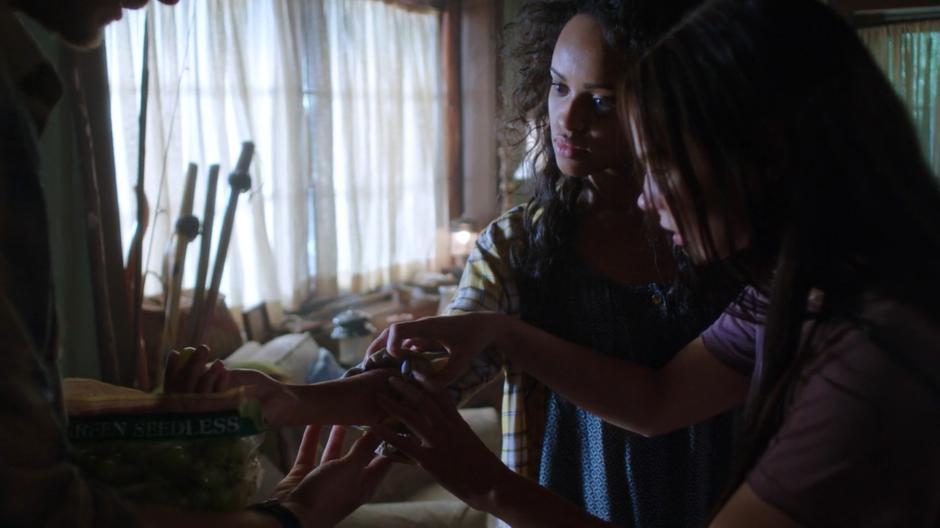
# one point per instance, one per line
(578, 261)
(788, 159)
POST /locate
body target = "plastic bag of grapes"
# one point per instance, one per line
(192, 451)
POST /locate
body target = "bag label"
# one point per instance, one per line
(173, 426)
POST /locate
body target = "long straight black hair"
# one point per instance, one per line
(773, 113)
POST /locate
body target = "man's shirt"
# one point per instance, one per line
(38, 484)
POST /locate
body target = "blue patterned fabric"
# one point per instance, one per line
(668, 481)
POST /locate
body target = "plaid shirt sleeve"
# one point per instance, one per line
(488, 285)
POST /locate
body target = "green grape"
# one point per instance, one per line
(173, 459)
(185, 354)
(215, 473)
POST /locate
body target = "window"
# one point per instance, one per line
(343, 100)
(909, 54)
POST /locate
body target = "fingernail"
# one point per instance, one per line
(406, 368)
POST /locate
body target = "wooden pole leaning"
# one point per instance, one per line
(239, 181)
(134, 277)
(205, 247)
(187, 227)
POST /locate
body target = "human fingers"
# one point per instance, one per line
(307, 452)
(424, 330)
(378, 343)
(180, 366)
(334, 445)
(381, 359)
(373, 474)
(419, 343)
(406, 444)
(363, 449)
(209, 380)
(437, 379)
(417, 423)
(194, 368)
(176, 368)
(170, 371)
(224, 381)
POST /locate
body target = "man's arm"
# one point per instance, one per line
(40, 486)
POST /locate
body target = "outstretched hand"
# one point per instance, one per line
(463, 336)
(194, 375)
(336, 402)
(441, 442)
(324, 495)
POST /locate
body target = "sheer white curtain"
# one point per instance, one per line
(343, 103)
(380, 191)
(909, 54)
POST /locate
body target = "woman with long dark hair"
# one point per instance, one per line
(577, 260)
(774, 146)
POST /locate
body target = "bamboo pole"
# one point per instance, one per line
(239, 181)
(205, 247)
(187, 226)
(104, 327)
(134, 277)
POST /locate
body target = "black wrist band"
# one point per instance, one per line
(274, 508)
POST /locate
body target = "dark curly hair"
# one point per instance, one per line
(630, 27)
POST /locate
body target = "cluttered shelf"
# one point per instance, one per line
(342, 325)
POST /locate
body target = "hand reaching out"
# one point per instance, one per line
(441, 442)
(345, 401)
(195, 375)
(322, 496)
(463, 336)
